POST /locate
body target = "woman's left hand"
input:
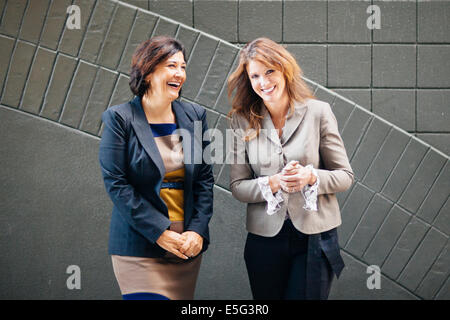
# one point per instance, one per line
(193, 244)
(294, 177)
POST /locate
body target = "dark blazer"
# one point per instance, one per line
(133, 170)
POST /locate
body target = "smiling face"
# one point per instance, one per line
(267, 82)
(168, 77)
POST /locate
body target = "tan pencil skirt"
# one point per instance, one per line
(170, 276)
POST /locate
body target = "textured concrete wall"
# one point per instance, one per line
(54, 84)
(399, 72)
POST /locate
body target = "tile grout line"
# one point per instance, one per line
(3, 13)
(378, 232)
(431, 185)
(210, 65)
(441, 287)
(371, 66)
(395, 203)
(116, 82)
(395, 245)
(47, 87)
(119, 61)
(439, 174)
(63, 31)
(109, 96)
(388, 277)
(91, 14)
(155, 27)
(350, 190)
(429, 150)
(417, 66)
(94, 81)
(364, 135)
(127, 42)
(438, 256)
(385, 139)
(225, 83)
(33, 58)
(373, 160)
(352, 234)
(440, 209)
(88, 26)
(37, 48)
(108, 30)
(27, 77)
(69, 89)
(412, 256)
(16, 41)
(397, 163)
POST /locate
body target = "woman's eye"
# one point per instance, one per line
(269, 71)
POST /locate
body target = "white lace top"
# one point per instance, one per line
(274, 200)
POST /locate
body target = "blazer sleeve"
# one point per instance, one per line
(203, 190)
(243, 183)
(337, 175)
(137, 211)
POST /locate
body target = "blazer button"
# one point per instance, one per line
(279, 150)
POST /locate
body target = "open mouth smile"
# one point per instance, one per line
(175, 85)
(268, 90)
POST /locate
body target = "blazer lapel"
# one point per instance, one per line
(269, 129)
(145, 135)
(293, 121)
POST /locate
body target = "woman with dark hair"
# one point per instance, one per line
(162, 197)
(288, 161)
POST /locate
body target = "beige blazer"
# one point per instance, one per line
(310, 136)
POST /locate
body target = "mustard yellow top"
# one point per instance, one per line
(174, 198)
(170, 147)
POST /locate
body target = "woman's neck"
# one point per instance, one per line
(278, 111)
(157, 110)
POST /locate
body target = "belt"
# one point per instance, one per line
(172, 185)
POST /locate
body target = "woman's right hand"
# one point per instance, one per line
(294, 177)
(172, 242)
(274, 182)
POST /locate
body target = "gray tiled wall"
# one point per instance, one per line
(396, 215)
(335, 48)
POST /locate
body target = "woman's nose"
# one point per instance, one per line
(179, 72)
(262, 81)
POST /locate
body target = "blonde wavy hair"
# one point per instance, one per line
(246, 102)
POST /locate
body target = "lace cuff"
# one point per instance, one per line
(273, 200)
(310, 192)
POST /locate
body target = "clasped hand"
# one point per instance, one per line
(185, 245)
(294, 177)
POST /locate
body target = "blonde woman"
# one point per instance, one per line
(288, 163)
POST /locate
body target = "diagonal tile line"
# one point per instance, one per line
(388, 277)
(438, 256)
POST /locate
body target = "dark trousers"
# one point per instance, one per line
(277, 266)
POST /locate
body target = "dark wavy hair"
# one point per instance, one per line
(147, 56)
